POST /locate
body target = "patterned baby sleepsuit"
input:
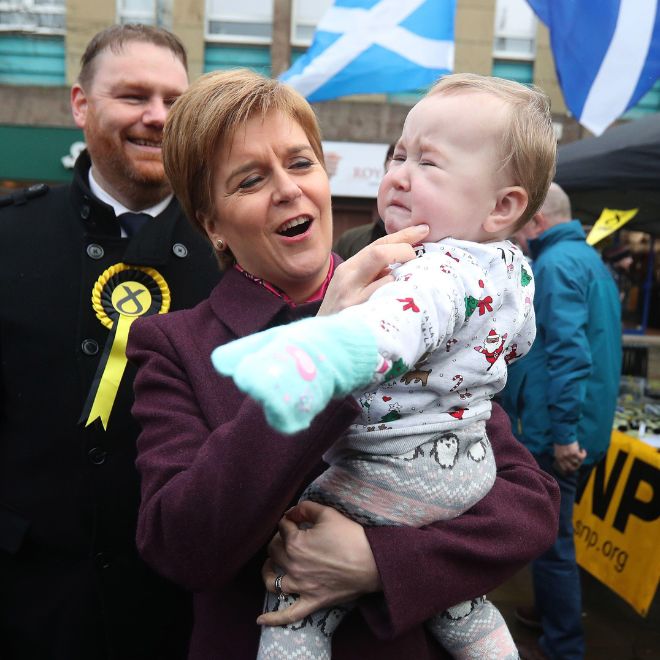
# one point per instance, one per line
(446, 329)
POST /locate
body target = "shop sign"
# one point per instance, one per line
(75, 150)
(38, 153)
(617, 521)
(355, 168)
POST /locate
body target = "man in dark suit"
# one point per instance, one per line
(74, 272)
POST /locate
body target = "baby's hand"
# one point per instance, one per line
(295, 370)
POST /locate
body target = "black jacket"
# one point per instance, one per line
(353, 240)
(72, 586)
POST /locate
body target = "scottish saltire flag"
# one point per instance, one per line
(606, 52)
(376, 46)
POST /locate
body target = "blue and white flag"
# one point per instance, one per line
(376, 46)
(606, 52)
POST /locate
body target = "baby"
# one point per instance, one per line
(427, 352)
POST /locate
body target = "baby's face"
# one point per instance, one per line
(446, 169)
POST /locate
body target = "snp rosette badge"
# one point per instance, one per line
(121, 294)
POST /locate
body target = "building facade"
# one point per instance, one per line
(41, 45)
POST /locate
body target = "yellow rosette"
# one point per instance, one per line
(122, 294)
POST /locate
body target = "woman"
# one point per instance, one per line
(243, 154)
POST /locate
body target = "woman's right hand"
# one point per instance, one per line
(358, 277)
(324, 557)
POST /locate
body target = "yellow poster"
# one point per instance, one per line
(610, 220)
(617, 521)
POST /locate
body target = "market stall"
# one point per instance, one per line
(617, 521)
(618, 170)
(617, 516)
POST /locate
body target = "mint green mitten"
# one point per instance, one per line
(295, 370)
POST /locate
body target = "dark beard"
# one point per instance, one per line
(143, 186)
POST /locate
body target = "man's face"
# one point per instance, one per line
(122, 112)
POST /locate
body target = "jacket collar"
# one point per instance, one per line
(151, 246)
(565, 231)
(246, 307)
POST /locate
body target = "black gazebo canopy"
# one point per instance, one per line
(618, 170)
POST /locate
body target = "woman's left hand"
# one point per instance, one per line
(324, 557)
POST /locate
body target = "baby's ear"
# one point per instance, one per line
(510, 205)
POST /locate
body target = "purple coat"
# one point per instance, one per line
(216, 479)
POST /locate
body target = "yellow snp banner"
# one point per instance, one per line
(609, 221)
(617, 521)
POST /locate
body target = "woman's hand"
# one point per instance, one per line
(358, 277)
(325, 558)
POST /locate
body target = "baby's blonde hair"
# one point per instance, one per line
(529, 145)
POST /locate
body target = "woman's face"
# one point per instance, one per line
(271, 205)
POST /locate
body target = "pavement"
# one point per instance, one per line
(613, 630)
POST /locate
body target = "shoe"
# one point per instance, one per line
(531, 651)
(528, 615)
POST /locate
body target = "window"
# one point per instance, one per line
(251, 21)
(515, 30)
(247, 21)
(136, 11)
(517, 70)
(36, 16)
(305, 16)
(648, 104)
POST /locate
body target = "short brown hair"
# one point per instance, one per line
(206, 117)
(116, 36)
(529, 145)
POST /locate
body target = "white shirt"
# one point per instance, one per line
(118, 207)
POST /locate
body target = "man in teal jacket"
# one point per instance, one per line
(561, 398)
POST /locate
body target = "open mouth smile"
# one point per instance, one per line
(295, 226)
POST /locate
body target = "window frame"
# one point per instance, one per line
(30, 8)
(136, 15)
(212, 37)
(302, 43)
(504, 54)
